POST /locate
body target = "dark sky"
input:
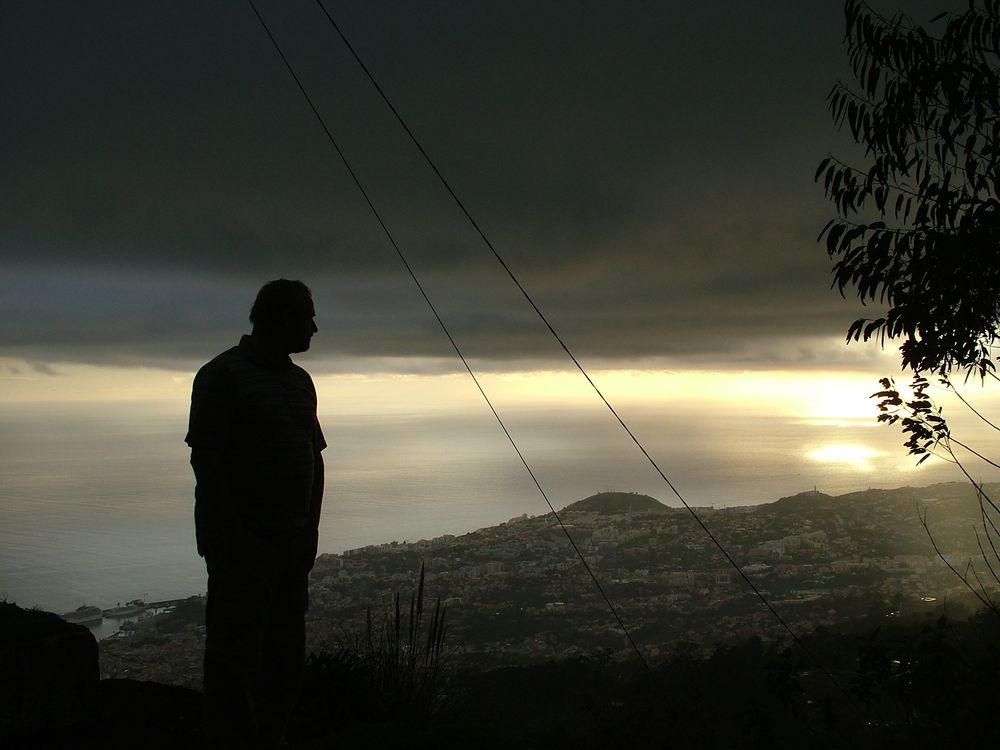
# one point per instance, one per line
(645, 168)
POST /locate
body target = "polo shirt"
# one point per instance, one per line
(259, 412)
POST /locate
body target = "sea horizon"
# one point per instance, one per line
(97, 504)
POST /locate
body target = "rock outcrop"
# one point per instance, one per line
(48, 672)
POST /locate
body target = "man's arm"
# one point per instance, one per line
(316, 498)
(315, 507)
(216, 517)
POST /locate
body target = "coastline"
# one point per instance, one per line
(114, 620)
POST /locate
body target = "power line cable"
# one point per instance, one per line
(444, 328)
(465, 211)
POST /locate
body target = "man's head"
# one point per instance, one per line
(283, 315)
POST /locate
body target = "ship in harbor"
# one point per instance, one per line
(129, 609)
(84, 615)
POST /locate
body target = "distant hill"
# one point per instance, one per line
(955, 496)
(607, 503)
(803, 502)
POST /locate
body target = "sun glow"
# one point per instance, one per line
(803, 396)
(830, 398)
(857, 455)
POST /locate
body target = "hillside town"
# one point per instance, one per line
(518, 592)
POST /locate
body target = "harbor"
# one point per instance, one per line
(107, 623)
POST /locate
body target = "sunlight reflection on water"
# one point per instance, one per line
(97, 506)
(859, 456)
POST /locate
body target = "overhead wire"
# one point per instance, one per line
(757, 592)
(503, 264)
(447, 332)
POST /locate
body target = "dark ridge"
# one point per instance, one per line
(607, 503)
(19, 625)
(802, 502)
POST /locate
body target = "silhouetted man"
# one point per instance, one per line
(255, 449)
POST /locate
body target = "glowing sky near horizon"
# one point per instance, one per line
(646, 169)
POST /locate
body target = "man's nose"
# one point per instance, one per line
(315, 329)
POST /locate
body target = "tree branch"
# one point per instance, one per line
(986, 559)
(962, 578)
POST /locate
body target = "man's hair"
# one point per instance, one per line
(275, 297)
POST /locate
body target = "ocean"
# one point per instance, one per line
(96, 499)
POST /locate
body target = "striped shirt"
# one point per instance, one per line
(259, 412)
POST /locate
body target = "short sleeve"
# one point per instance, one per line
(319, 442)
(211, 417)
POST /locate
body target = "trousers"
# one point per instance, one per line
(255, 641)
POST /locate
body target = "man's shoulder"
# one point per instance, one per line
(223, 361)
(238, 363)
(228, 357)
(222, 370)
(301, 372)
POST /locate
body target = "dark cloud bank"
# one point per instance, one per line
(646, 170)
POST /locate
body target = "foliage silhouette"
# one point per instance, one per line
(394, 671)
(929, 435)
(918, 226)
(926, 109)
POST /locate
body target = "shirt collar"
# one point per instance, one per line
(261, 356)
